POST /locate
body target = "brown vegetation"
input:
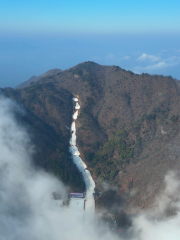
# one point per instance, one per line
(127, 130)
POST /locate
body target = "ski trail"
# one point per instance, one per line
(89, 182)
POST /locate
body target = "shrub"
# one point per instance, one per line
(96, 171)
(115, 121)
(89, 156)
(113, 173)
(148, 117)
(78, 71)
(174, 118)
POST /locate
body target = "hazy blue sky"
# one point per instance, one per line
(35, 36)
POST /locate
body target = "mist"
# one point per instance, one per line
(162, 221)
(27, 210)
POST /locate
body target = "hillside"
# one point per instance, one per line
(48, 114)
(36, 78)
(127, 130)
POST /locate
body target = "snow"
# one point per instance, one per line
(162, 131)
(75, 99)
(77, 203)
(75, 115)
(90, 184)
(77, 106)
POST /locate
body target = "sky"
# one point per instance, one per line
(35, 36)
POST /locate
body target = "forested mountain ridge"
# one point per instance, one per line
(127, 130)
(48, 114)
(37, 78)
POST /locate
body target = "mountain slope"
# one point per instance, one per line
(35, 79)
(127, 129)
(48, 114)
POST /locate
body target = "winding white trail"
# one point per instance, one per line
(90, 184)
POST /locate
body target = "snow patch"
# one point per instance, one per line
(162, 131)
(75, 115)
(77, 106)
(75, 99)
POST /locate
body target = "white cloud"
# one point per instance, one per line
(110, 56)
(169, 61)
(145, 56)
(126, 57)
(158, 66)
(154, 224)
(172, 59)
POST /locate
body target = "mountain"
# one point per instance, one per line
(48, 118)
(35, 79)
(128, 129)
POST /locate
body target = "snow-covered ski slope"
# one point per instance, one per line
(90, 184)
(77, 204)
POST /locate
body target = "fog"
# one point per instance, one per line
(160, 222)
(27, 210)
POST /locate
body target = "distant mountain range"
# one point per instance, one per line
(36, 78)
(128, 129)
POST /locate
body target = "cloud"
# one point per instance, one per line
(158, 66)
(126, 57)
(110, 57)
(155, 223)
(26, 205)
(145, 56)
(173, 59)
(165, 63)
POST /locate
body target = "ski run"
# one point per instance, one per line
(88, 203)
